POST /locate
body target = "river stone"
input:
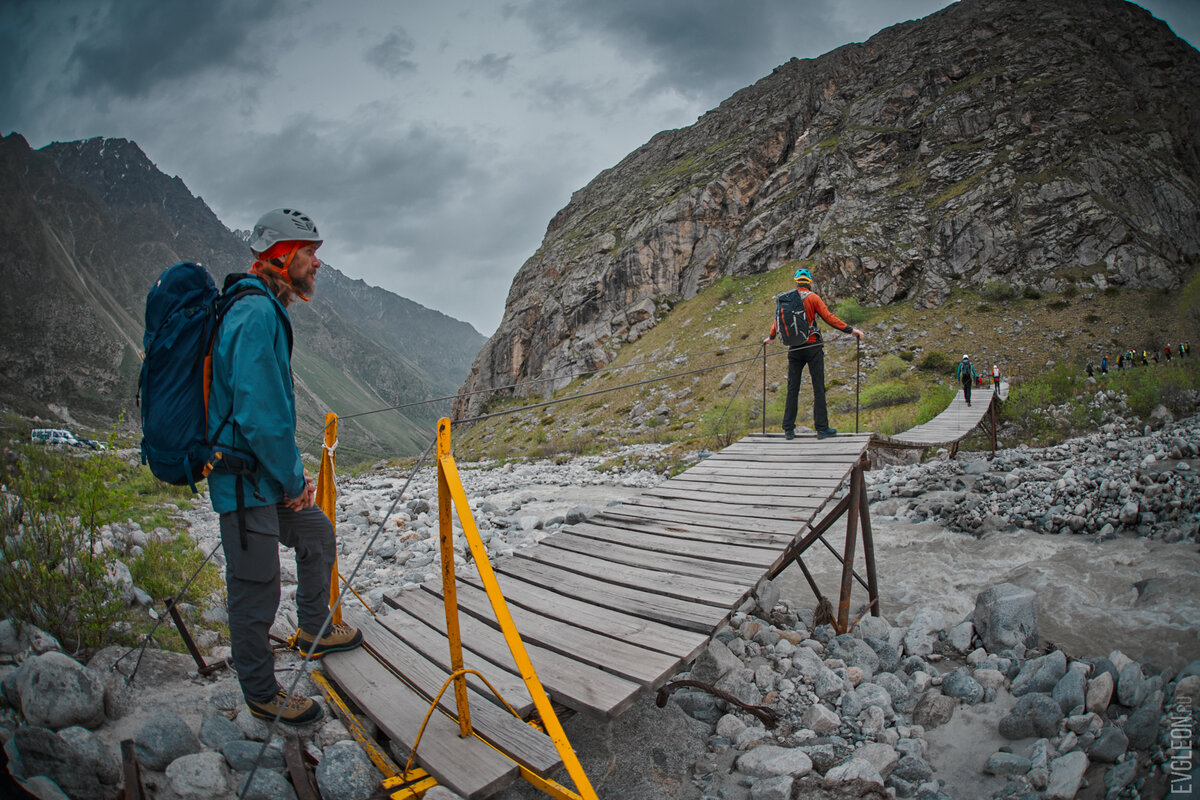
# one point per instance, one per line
(769, 761)
(1120, 775)
(777, 788)
(38, 751)
(1131, 686)
(855, 652)
(1071, 689)
(1006, 764)
(94, 752)
(856, 769)
(242, 753)
(579, 513)
(199, 776)
(889, 656)
(1142, 728)
(730, 726)
(933, 709)
(865, 696)
(894, 686)
(913, 769)
(216, 729)
(714, 662)
(960, 636)
(1005, 616)
(1034, 714)
(164, 738)
(1110, 745)
(820, 719)
(960, 684)
(1066, 774)
(697, 705)
(56, 691)
(345, 773)
(922, 632)
(1099, 693)
(883, 757)
(270, 785)
(1040, 674)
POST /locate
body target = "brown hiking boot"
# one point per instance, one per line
(336, 639)
(297, 709)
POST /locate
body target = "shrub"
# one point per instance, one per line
(1031, 293)
(937, 362)
(933, 402)
(889, 368)
(998, 291)
(983, 308)
(728, 422)
(850, 311)
(1091, 318)
(906, 355)
(891, 393)
(1057, 305)
(1070, 290)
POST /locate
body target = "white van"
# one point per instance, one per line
(54, 436)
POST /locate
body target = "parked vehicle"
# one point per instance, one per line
(58, 436)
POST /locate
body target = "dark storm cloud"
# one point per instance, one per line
(392, 56)
(698, 47)
(139, 44)
(489, 65)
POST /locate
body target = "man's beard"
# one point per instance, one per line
(305, 286)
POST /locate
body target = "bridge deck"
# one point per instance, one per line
(953, 425)
(606, 608)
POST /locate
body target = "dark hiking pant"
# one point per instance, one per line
(812, 355)
(252, 583)
(967, 391)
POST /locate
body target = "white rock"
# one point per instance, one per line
(1066, 774)
(856, 769)
(200, 776)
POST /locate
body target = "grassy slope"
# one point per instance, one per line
(726, 322)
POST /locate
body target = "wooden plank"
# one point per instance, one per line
(752, 558)
(801, 510)
(523, 743)
(683, 587)
(658, 514)
(617, 624)
(739, 485)
(754, 470)
(665, 562)
(713, 493)
(700, 617)
(631, 661)
(468, 766)
(695, 532)
(435, 647)
(569, 682)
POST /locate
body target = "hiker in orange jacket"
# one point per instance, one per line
(812, 353)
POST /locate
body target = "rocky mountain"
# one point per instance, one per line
(1035, 143)
(86, 227)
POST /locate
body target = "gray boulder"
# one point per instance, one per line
(216, 729)
(852, 771)
(934, 709)
(922, 632)
(1040, 674)
(855, 652)
(1142, 728)
(345, 773)
(1066, 775)
(268, 785)
(1071, 689)
(1006, 616)
(56, 691)
(714, 662)
(769, 761)
(36, 751)
(163, 739)
(1034, 715)
(100, 759)
(579, 513)
(199, 776)
(1110, 745)
(960, 684)
(243, 753)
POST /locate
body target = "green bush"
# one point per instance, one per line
(906, 355)
(1031, 293)
(850, 311)
(998, 291)
(937, 362)
(891, 393)
(889, 368)
(1070, 290)
(1057, 305)
(727, 422)
(1091, 318)
(933, 402)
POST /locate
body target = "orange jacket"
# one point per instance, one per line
(814, 306)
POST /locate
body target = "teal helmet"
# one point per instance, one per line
(802, 276)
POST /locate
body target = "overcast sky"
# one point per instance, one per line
(431, 140)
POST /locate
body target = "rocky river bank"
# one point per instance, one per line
(970, 685)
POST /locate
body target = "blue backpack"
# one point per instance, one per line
(183, 311)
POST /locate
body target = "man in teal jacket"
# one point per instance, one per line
(267, 498)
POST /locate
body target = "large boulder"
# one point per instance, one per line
(36, 751)
(1005, 616)
(345, 773)
(164, 738)
(56, 691)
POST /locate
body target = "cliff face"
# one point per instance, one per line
(85, 229)
(1034, 143)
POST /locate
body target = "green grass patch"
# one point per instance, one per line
(890, 393)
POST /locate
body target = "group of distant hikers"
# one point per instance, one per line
(965, 374)
(1130, 358)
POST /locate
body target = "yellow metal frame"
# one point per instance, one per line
(327, 501)
(450, 491)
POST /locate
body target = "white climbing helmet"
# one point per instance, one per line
(282, 225)
(966, 357)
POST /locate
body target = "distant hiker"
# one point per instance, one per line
(965, 372)
(1145, 359)
(1155, 356)
(796, 315)
(1103, 365)
(1091, 370)
(252, 407)
(1167, 352)
(995, 376)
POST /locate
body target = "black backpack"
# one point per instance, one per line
(791, 321)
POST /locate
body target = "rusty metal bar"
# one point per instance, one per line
(797, 548)
(132, 771)
(864, 514)
(301, 782)
(856, 491)
(202, 666)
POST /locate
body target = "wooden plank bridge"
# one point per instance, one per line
(608, 608)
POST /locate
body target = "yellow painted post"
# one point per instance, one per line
(448, 478)
(449, 593)
(327, 501)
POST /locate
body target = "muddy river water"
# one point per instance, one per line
(1135, 595)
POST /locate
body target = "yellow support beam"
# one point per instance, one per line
(327, 500)
(449, 594)
(450, 488)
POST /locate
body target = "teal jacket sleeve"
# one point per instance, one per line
(253, 346)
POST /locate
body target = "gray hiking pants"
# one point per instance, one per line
(252, 583)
